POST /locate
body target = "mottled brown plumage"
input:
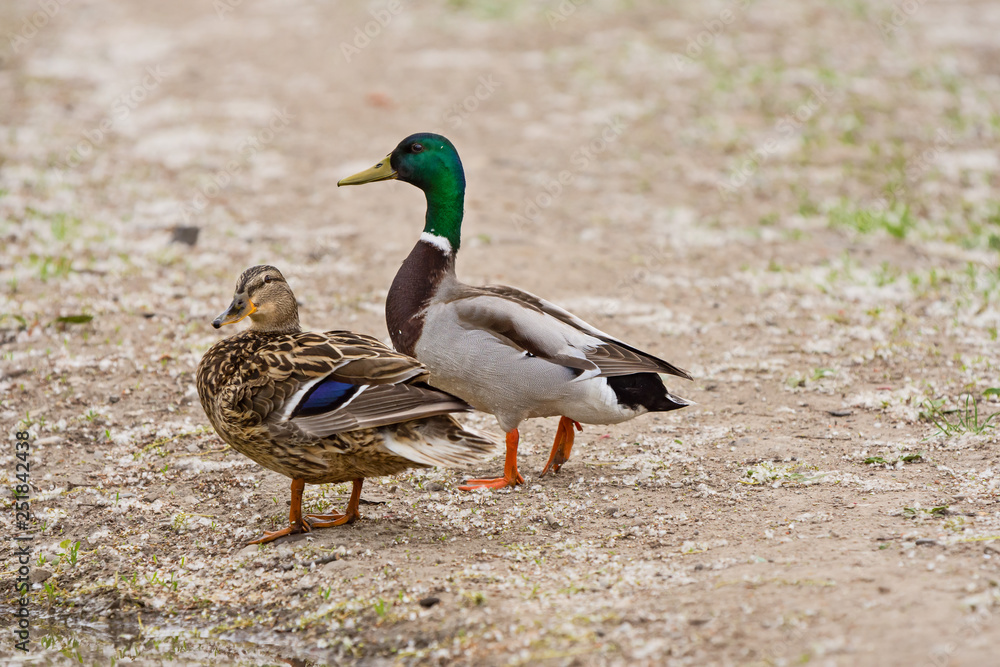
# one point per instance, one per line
(323, 407)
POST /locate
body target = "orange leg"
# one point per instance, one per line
(511, 477)
(563, 444)
(304, 524)
(349, 516)
(295, 522)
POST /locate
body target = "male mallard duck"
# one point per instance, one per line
(323, 408)
(504, 351)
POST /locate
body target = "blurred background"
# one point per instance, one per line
(732, 125)
(795, 201)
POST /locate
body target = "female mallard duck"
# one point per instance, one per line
(323, 408)
(504, 351)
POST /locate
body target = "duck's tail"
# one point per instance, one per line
(438, 441)
(646, 390)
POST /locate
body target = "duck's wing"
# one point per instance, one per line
(324, 384)
(545, 330)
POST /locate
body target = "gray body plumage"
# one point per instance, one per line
(517, 356)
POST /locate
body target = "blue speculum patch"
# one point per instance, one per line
(324, 396)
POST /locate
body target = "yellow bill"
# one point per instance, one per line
(383, 171)
(240, 308)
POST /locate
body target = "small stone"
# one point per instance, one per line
(925, 542)
(429, 602)
(334, 566)
(38, 575)
(186, 234)
(248, 550)
(552, 521)
(840, 413)
(433, 486)
(114, 399)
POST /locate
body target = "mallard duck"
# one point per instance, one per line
(503, 350)
(323, 408)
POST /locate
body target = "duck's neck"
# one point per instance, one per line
(289, 327)
(445, 208)
(278, 314)
(430, 261)
(285, 322)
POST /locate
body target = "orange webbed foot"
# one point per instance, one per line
(331, 520)
(497, 483)
(562, 446)
(511, 475)
(304, 524)
(272, 535)
(350, 515)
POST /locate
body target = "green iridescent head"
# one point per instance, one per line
(430, 162)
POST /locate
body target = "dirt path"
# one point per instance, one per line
(797, 203)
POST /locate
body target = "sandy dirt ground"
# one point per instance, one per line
(797, 202)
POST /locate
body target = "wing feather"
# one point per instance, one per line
(522, 329)
(381, 405)
(524, 321)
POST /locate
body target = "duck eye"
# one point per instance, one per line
(267, 279)
(416, 148)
